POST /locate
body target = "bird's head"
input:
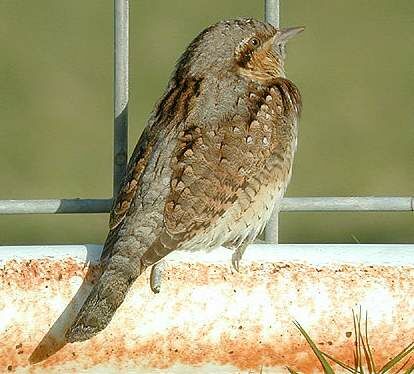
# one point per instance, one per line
(261, 56)
(249, 48)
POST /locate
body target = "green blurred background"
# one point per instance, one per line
(354, 66)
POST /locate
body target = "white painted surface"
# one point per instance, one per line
(219, 321)
(316, 254)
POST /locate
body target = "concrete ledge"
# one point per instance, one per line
(207, 318)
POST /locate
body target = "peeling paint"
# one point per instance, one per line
(207, 317)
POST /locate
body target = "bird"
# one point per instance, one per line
(211, 165)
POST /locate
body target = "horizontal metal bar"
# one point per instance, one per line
(345, 204)
(289, 204)
(55, 206)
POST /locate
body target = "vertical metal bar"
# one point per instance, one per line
(121, 27)
(272, 227)
(272, 12)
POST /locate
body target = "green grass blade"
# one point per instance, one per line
(355, 360)
(357, 329)
(370, 356)
(326, 367)
(410, 370)
(403, 365)
(368, 359)
(391, 363)
(360, 342)
(291, 371)
(356, 357)
(340, 363)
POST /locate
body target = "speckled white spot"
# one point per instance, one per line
(268, 98)
(249, 139)
(255, 124)
(265, 141)
(188, 153)
(180, 185)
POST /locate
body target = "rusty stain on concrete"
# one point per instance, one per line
(206, 316)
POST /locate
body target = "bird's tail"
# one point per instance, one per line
(106, 296)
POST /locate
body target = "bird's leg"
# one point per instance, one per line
(238, 252)
(237, 256)
(156, 276)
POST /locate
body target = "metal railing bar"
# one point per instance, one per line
(272, 12)
(349, 204)
(289, 204)
(271, 233)
(61, 206)
(121, 52)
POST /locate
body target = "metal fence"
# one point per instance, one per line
(121, 52)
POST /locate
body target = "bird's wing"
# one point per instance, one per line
(213, 163)
(129, 187)
(152, 150)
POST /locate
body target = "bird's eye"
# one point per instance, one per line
(254, 42)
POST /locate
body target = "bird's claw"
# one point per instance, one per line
(156, 276)
(235, 260)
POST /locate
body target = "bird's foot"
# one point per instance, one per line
(236, 258)
(156, 276)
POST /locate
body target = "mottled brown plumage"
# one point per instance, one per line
(211, 165)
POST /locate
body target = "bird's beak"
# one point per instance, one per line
(283, 35)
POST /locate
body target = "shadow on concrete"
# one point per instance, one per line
(54, 340)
